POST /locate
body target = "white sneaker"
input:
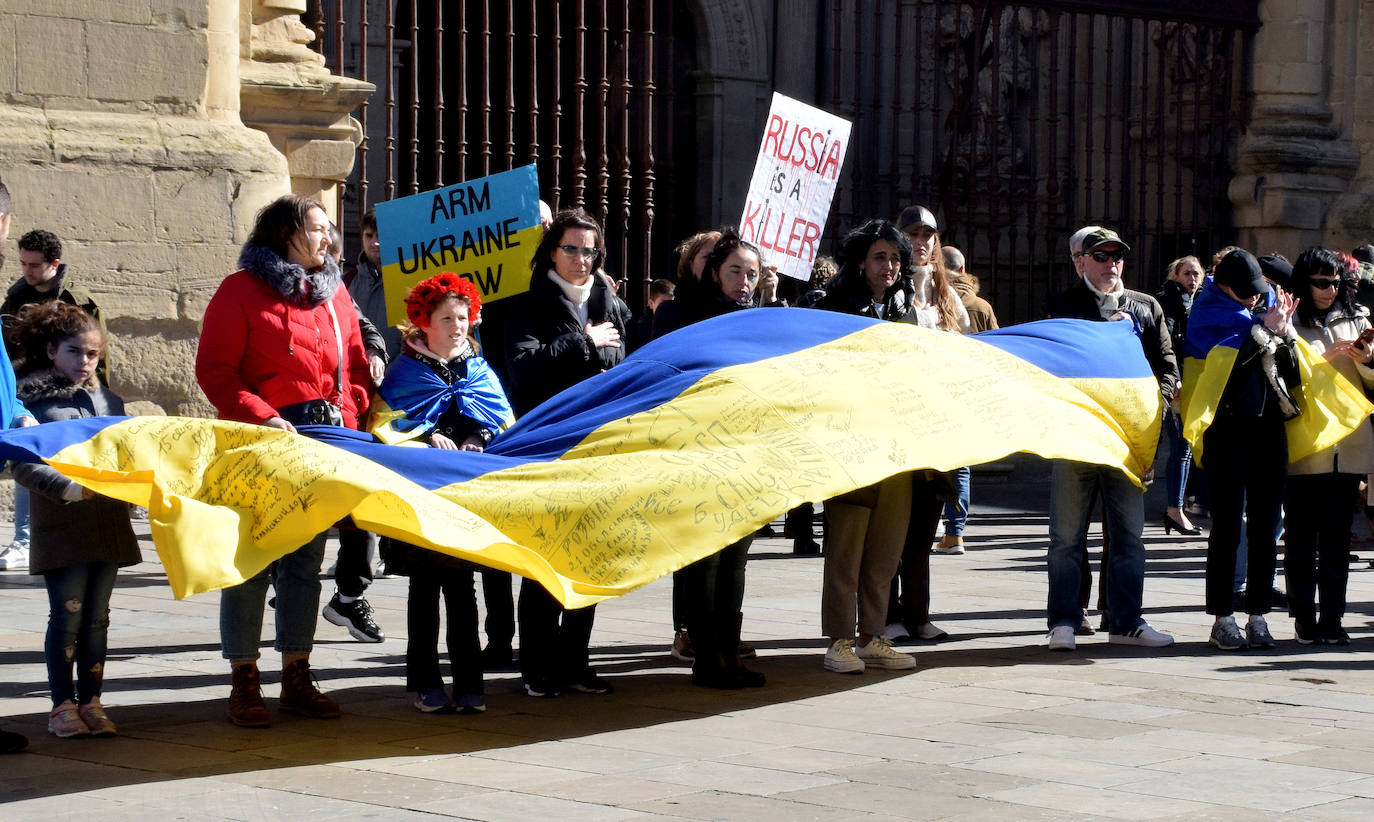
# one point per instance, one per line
(1142, 634)
(15, 557)
(896, 632)
(878, 653)
(1061, 638)
(840, 658)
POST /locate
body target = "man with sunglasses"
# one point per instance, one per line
(1098, 255)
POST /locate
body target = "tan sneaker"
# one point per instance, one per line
(878, 653)
(949, 545)
(93, 714)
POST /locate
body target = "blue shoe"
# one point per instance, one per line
(435, 700)
(471, 704)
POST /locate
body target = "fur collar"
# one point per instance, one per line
(301, 288)
(48, 384)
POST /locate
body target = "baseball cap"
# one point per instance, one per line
(1090, 237)
(914, 217)
(1241, 272)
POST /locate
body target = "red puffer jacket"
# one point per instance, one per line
(259, 353)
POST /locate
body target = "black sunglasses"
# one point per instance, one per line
(1322, 283)
(1103, 256)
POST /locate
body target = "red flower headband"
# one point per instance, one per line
(427, 294)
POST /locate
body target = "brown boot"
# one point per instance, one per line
(300, 696)
(245, 700)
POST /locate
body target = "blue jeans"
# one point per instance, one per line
(1180, 459)
(78, 626)
(297, 581)
(1071, 499)
(956, 515)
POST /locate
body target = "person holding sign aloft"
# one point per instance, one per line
(567, 328)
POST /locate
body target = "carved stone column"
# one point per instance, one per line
(286, 91)
(1296, 158)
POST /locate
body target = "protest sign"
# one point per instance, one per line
(794, 180)
(483, 230)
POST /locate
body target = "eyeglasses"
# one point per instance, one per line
(1103, 256)
(1322, 283)
(574, 251)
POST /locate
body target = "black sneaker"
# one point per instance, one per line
(1307, 633)
(11, 742)
(590, 683)
(356, 616)
(1334, 635)
(540, 690)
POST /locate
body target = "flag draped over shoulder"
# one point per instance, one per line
(691, 443)
(410, 384)
(1331, 407)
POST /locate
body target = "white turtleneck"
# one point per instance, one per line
(576, 295)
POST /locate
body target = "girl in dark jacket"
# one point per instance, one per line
(1176, 298)
(80, 539)
(567, 328)
(712, 588)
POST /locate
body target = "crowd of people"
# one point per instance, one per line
(291, 338)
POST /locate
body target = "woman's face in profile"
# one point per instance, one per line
(309, 247)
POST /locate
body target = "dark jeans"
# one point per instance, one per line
(553, 639)
(1318, 510)
(713, 590)
(78, 627)
(430, 576)
(1246, 462)
(679, 602)
(500, 602)
(1180, 460)
(353, 571)
(909, 601)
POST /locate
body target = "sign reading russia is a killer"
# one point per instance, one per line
(794, 181)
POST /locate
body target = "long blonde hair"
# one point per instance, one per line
(941, 287)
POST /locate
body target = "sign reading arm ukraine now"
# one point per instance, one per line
(483, 230)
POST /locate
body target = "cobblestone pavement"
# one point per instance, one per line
(990, 726)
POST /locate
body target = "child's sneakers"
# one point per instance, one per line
(93, 714)
(434, 700)
(65, 721)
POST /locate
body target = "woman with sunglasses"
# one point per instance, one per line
(567, 328)
(1321, 495)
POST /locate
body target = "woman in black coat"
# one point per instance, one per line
(567, 328)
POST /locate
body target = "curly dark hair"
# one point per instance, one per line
(39, 325)
(281, 221)
(565, 219)
(44, 242)
(849, 280)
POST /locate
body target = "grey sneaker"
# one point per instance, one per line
(1257, 633)
(1226, 635)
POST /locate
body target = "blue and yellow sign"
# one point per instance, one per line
(483, 230)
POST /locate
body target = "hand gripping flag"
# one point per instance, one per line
(1330, 406)
(690, 444)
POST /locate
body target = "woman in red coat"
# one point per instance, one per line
(280, 347)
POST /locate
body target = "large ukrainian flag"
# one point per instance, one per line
(693, 442)
(1331, 407)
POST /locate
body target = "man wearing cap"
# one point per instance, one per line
(1100, 295)
(1245, 446)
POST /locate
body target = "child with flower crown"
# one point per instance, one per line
(441, 393)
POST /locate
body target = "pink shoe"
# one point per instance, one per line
(93, 714)
(65, 721)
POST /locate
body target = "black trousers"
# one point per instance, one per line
(553, 640)
(500, 602)
(1247, 464)
(430, 576)
(909, 600)
(713, 593)
(353, 572)
(1318, 509)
